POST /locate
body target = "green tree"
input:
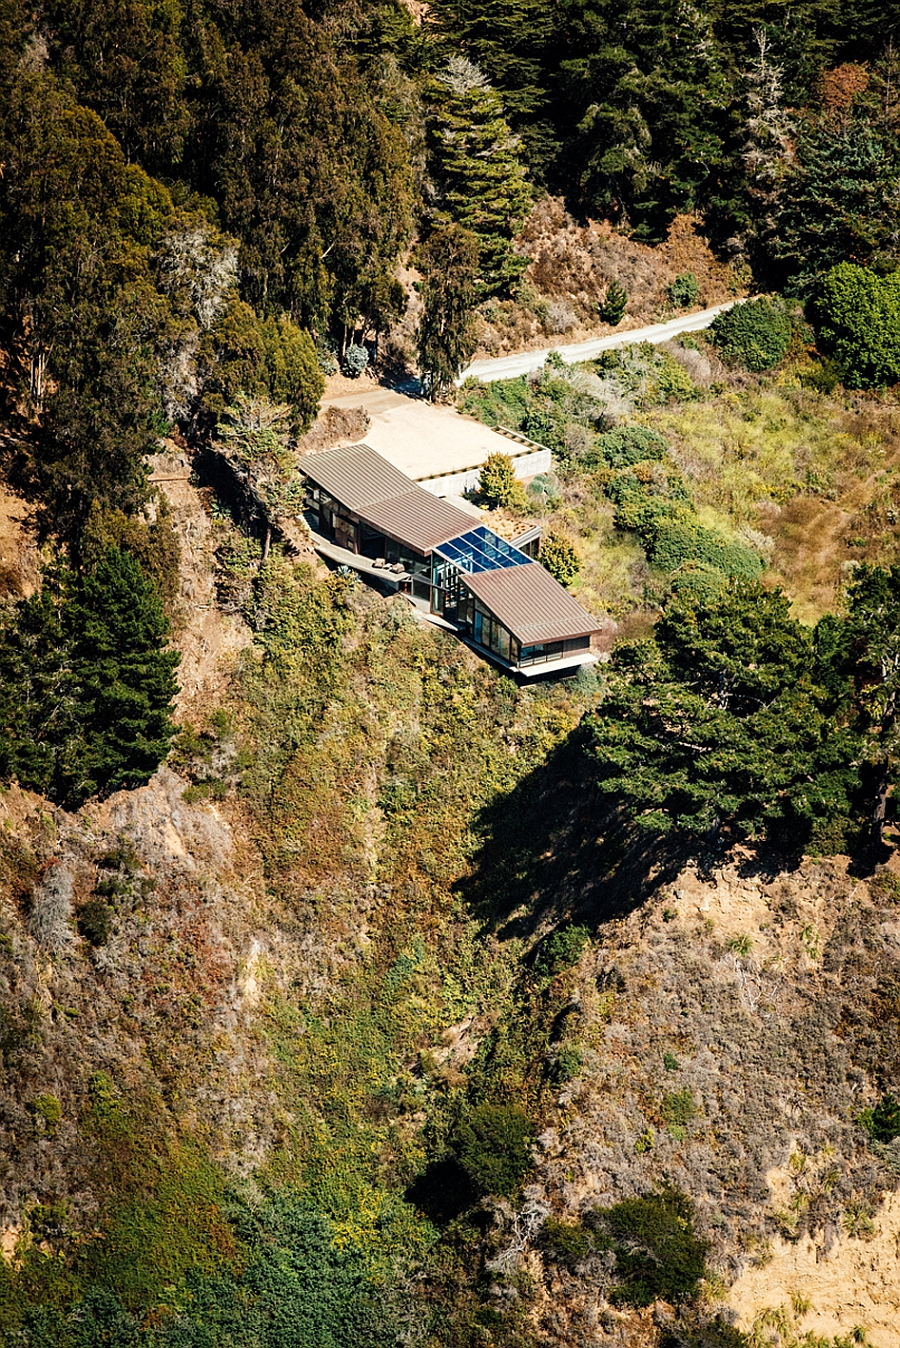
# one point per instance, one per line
(480, 174)
(88, 682)
(720, 721)
(448, 261)
(858, 323)
(493, 1144)
(612, 310)
(558, 555)
(861, 652)
(497, 482)
(840, 200)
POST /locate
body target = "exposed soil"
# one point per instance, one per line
(19, 556)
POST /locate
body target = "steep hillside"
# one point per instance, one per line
(373, 894)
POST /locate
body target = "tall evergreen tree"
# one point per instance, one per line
(449, 263)
(480, 174)
(87, 682)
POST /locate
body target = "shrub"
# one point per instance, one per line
(883, 1122)
(51, 908)
(493, 1145)
(558, 555)
(627, 445)
(612, 310)
(356, 359)
(684, 290)
(95, 921)
(559, 317)
(568, 1243)
(676, 541)
(48, 1109)
(563, 948)
(678, 1108)
(755, 334)
(858, 323)
(658, 1256)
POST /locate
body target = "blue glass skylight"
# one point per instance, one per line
(481, 550)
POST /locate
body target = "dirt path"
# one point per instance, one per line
(511, 367)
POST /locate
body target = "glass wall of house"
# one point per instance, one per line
(449, 596)
(332, 518)
(488, 632)
(553, 650)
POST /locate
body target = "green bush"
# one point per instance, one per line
(679, 541)
(755, 335)
(858, 323)
(567, 1243)
(883, 1122)
(658, 1256)
(684, 290)
(356, 359)
(558, 555)
(563, 948)
(493, 1145)
(678, 1108)
(95, 921)
(48, 1109)
(625, 446)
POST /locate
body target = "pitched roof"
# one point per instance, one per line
(356, 476)
(418, 518)
(528, 601)
(384, 497)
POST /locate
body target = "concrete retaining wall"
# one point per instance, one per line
(525, 465)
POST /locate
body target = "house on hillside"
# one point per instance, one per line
(368, 515)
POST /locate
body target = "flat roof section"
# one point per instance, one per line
(531, 604)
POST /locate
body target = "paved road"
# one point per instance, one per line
(510, 367)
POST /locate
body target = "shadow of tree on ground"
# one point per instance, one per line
(553, 849)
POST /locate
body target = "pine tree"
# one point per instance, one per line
(481, 176)
(448, 261)
(86, 682)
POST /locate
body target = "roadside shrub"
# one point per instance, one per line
(684, 290)
(755, 335)
(559, 557)
(356, 359)
(559, 317)
(658, 1255)
(493, 1144)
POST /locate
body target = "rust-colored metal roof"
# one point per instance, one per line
(419, 519)
(533, 605)
(384, 497)
(356, 476)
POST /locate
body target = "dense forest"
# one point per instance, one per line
(368, 997)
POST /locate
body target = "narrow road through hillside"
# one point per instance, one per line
(510, 367)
